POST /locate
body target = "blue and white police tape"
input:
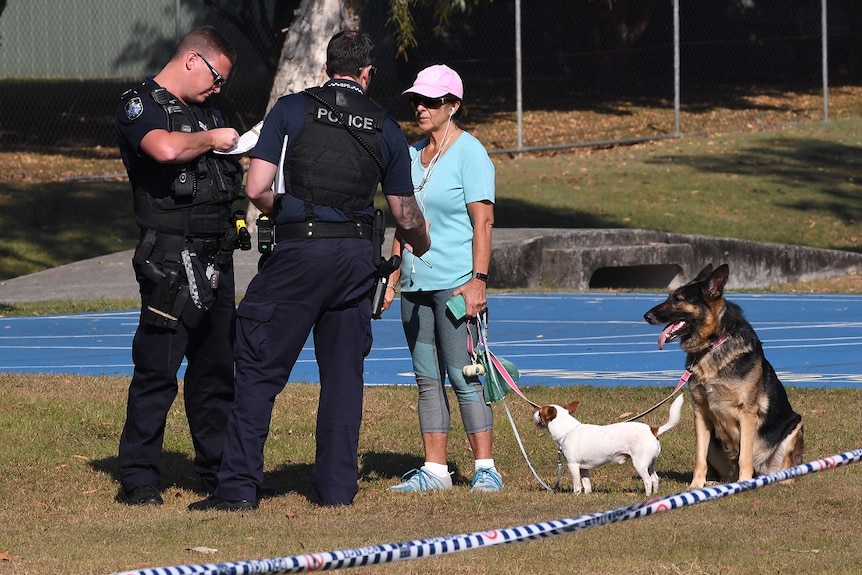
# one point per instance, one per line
(407, 550)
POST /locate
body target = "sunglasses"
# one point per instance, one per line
(428, 103)
(218, 81)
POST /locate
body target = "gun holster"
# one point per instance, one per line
(384, 270)
(168, 296)
(141, 258)
(167, 301)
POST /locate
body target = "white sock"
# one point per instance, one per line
(484, 464)
(438, 469)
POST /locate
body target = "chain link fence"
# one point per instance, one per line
(589, 74)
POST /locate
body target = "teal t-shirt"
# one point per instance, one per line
(463, 174)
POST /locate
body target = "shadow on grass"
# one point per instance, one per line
(292, 478)
(828, 172)
(684, 478)
(50, 224)
(178, 472)
(513, 213)
(394, 466)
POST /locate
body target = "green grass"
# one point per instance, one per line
(58, 481)
(52, 223)
(68, 306)
(798, 186)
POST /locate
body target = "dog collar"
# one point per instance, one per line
(563, 440)
(723, 338)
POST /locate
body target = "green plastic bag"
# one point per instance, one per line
(495, 387)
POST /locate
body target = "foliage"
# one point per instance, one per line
(402, 18)
(265, 29)
(405, 27)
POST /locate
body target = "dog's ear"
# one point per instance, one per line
(547, 413)
(571, 407)
(704, 273)
(717, 280)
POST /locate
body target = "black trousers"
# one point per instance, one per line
(205, 338)
(318, 286)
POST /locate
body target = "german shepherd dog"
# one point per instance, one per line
(744, 423)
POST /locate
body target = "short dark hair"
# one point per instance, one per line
(208, 41)
(348, 52)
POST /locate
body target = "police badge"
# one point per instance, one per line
(134, 108)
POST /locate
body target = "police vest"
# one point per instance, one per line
(198, 200)
(335, 160)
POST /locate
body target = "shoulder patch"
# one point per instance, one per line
(134, 108)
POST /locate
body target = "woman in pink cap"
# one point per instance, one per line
(453, 180)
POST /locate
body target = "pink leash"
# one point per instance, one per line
(482, 342)
(682, 381)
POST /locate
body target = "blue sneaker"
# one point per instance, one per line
(421, 480)
(488, 480)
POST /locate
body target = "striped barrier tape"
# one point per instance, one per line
(407, 550)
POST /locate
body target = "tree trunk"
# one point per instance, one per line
(304, 52)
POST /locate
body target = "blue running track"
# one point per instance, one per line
(554, 339)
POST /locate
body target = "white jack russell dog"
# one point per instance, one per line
(587, 446)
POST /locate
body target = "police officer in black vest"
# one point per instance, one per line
(328, 148)
(184, 199)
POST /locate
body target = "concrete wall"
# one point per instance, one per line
(629, 258)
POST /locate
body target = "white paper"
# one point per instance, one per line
(279, 172)
(246, 142)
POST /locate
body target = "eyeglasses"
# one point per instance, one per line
(218, 81)
(429, 103)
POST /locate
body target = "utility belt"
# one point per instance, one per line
(312, 230)
(172, 245)
(189, 271)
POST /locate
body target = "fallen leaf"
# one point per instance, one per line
(5, 557)
(204, 550)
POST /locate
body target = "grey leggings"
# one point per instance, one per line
(438, 346)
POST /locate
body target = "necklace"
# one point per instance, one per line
(419, 192)
(433, 163)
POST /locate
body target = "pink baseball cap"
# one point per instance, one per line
(437, 81)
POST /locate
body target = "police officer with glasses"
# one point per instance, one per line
(186, 200)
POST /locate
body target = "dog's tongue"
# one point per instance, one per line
(666, 333)
(662, 337)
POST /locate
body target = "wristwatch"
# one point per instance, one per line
(481, 276)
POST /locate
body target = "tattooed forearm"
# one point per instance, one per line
(411, 214)
(412, 228)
